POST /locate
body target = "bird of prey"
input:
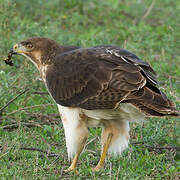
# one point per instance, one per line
(102, 86)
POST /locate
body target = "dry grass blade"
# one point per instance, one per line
(13, 126)
(148, 11)
(156, 147)
(29, 107)
(49, 154)
(12, 100)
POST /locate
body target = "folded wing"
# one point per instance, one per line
(103, 76)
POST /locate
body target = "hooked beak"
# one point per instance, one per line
(17, 49)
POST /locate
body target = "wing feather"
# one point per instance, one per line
(83, 74)
(74, 78)
(102, 76)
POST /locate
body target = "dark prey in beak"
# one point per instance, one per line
(8, 59)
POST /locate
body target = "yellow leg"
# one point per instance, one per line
(103, 154)
(74, 162)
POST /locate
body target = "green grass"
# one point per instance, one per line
(155, 38)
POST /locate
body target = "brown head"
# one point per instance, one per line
(38, 49)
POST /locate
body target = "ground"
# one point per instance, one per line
(148, 28)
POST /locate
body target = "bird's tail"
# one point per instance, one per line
(153, 102)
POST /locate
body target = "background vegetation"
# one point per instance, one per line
(149, 28)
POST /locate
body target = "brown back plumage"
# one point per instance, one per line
(100, 77)
(103, 76)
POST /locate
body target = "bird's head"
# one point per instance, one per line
(39, 50)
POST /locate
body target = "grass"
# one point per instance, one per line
(152, 34)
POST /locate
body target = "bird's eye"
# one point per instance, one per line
(29, 46)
